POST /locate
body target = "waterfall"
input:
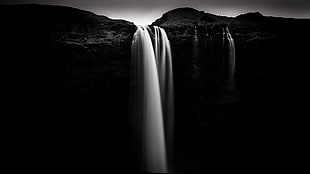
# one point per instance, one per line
(231, 58)
(224, 36)
(195, 34)
(195, 53)
(153, 97)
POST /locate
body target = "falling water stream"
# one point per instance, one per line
(231, 59)
(195, 53)
(153, 97)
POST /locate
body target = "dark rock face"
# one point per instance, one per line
(71, 70)
(252, 16)
(221, 129)
(188, 17)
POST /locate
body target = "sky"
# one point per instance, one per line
(143, 12)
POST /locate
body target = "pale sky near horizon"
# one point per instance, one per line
(144, 12)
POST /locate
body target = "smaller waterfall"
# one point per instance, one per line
(223, 41)
(231, 59)
(195, 34)
(196, 54)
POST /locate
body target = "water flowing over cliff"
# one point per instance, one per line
(69, 71)
(152, 97)
(230, 58)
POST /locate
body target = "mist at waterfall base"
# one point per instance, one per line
(152, 100)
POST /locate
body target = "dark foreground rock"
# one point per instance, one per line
(68, 75)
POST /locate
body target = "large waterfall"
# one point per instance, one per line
(152, 97)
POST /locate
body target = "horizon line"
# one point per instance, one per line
(114, 17)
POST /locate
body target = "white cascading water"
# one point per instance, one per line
(231, 59)
(223, 41)
(153, 97)
(195, 34)
(164, 64)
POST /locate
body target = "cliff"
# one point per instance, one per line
(70, 70)
(67, 75)
(269, 52)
